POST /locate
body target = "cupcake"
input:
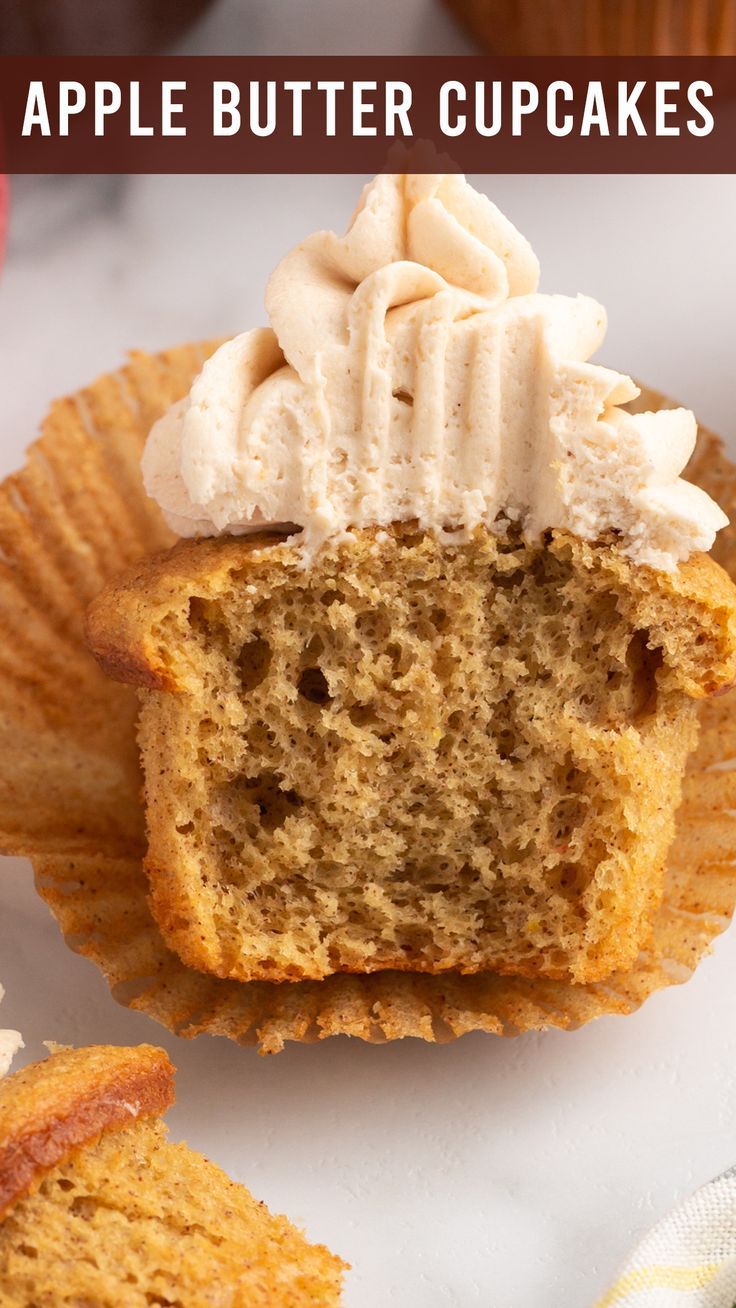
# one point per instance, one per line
(418, 692)
(98, 1207)
(74, 518)
(601, 27)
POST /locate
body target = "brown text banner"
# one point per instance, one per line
(239, 114)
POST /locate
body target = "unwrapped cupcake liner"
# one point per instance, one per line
(601, 27)
(70, 786)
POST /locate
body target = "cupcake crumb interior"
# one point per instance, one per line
(415, 754)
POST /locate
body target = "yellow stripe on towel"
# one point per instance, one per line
(660, 1278)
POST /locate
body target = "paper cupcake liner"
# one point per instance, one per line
(77, 515)
(601, 27)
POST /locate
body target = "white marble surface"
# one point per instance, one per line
(502, 1174)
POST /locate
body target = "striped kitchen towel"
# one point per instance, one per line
(688, 1260)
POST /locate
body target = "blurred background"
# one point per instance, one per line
(487, 1172)
(228, 27)
(511, 27)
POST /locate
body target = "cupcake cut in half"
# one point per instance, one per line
(98, 1207)
(441, 721)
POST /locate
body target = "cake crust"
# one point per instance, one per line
(99, 1207)
(51, 1108)
(120, 620)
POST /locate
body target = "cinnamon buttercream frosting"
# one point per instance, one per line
(413, 371)
(10, 1043)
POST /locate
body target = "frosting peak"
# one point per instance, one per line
(413, 371)
(10, 1043)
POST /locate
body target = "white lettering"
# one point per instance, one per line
(108, 99)
(296, 90)
(225, 112)
(557, 91)
(398, 104)
(36, 114)
(456, 127)
(257, 127)
(72, 99)
(330, 90)
(169, 107)
(524, 100)
(627, 111)
(594, 111)
(482, 126)
(695, 91)
(136, 127)
(361, 109)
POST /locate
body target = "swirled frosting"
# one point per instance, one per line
(10, 1043)
(413, 371)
